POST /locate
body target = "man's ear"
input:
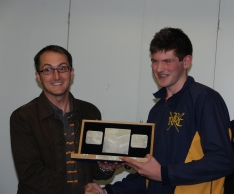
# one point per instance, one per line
(72, 73)
(187, 61)
(38, 77)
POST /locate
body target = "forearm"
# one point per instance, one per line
(214, 163)
(196, 172)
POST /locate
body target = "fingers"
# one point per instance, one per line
(88, 187)
(129, 161)
(135, 161)
(92, 192)
(135, 164)
(98, 188)
(93, 188)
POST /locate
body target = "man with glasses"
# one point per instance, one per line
(46, 131)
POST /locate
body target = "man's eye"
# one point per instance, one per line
(167, 61)
(47, 70)
(62, 67)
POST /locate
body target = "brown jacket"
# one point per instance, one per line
(38, 147)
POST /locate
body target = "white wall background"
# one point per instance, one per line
(109, 41)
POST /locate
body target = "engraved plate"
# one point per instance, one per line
(104, 157)
(139, 141)
(116, 140)
(94, 137)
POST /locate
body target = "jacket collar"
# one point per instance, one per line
(173, 99)
(45, 109)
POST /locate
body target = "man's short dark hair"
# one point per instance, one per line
(172, 39)
(53, 48)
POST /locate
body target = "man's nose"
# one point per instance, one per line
(160, 66)
(56, 74)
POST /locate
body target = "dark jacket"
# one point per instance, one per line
(38, 147)
(191, 143)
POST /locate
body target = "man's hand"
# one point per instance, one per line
(92, 191)
(94, 188)
(150, 169)
(109, 167)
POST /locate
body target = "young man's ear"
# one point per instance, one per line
(187, 61)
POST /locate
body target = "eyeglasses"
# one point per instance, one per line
(50, 70)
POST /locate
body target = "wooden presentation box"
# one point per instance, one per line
(107, 140)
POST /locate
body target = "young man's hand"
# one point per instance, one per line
(150, 169)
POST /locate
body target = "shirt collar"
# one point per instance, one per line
(58, 111)
(161, 93)
(45, 109)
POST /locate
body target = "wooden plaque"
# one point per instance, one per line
(107, 140)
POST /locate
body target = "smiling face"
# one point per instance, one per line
(55, 85)
(169, 71)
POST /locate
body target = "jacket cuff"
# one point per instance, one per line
(165, 176)
(108, 189)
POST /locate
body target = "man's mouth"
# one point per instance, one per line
(162, 75)
(56, 83)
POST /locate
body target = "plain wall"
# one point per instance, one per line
(109, 41)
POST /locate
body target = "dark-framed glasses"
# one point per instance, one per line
(50, 70)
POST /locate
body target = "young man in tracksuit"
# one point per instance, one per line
(192, 148)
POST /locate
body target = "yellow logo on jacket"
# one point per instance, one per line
(175, 120)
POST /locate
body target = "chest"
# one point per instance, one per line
(175, 129)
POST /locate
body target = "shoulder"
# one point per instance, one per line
(26, 108)
(197, 89)
(205, 97)
(25, 114)
(200, 88)
(202, 92)
(81, 104)
(87, 109)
